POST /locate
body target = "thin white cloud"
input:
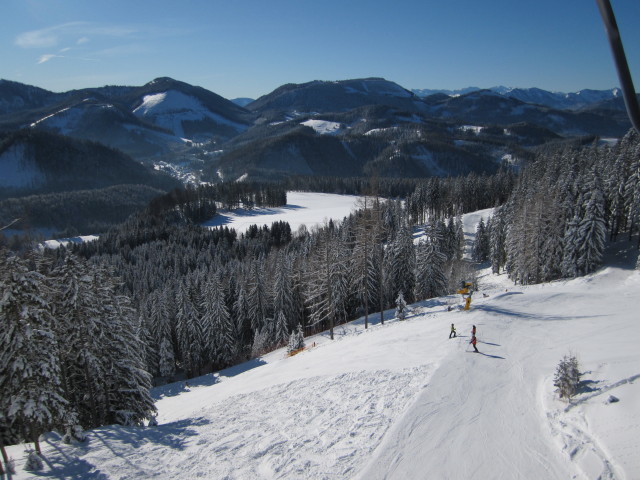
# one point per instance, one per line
(46, 58)
(46, 37)
(52, 36)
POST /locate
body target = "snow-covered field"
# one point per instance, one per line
(66, 241)
(402, 401)
(323, 127)
(302, 208)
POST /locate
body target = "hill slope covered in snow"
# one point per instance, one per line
(402, 401)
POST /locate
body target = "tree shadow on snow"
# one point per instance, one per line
(223, 218)
(588, 386)
(176, 388)
(241, 368)
(528, 316)
(119, 441)
(171, 435)
(63, 465)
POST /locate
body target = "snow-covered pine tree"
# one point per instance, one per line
(128, 383)
(366, 256)
(258, 298)
(32, 399)
(567, 377)
(431, 280)
(166, 359)
(189, 333)
(260, 342)
(300, 335)
(632, 185)
(400, 263)
(592, 229)
(296, 340)
(144, 332)
(159, 324)
(614, 183)
(283, 301)
(458, 237)
(376, 280)
(241, 318)
(497, 240)
(74, 433)
(34, 461)
(281, 333)
(401, 307)
(480, 250)
(570, 249)
(326, 279)
(220, 343)
(82, 328)
(552, 235)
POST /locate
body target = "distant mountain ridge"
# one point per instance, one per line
(367, 126)
(558, 100)
(336, 96)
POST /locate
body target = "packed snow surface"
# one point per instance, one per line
(403, 401)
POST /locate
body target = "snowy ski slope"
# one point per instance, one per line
(402, 401)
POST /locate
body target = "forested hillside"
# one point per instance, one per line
(563, 209)
(188, 300)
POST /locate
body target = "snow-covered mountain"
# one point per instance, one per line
(403, 401)
(336, 128)
(163, 117)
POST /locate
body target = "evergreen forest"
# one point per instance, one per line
(86, 332)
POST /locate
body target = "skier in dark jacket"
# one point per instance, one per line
(453, 331)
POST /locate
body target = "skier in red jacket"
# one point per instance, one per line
(473, 341)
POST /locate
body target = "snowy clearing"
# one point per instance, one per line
(323, 127)
(302, 208)
(402, 401)
(66, 241)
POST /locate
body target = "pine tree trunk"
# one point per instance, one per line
(5, 458)
(36, 443)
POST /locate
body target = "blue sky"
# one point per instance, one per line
(247, 48)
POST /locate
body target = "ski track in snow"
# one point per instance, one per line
(324, 427)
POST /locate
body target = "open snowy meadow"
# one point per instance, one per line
(302, 208)
(402, 400)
